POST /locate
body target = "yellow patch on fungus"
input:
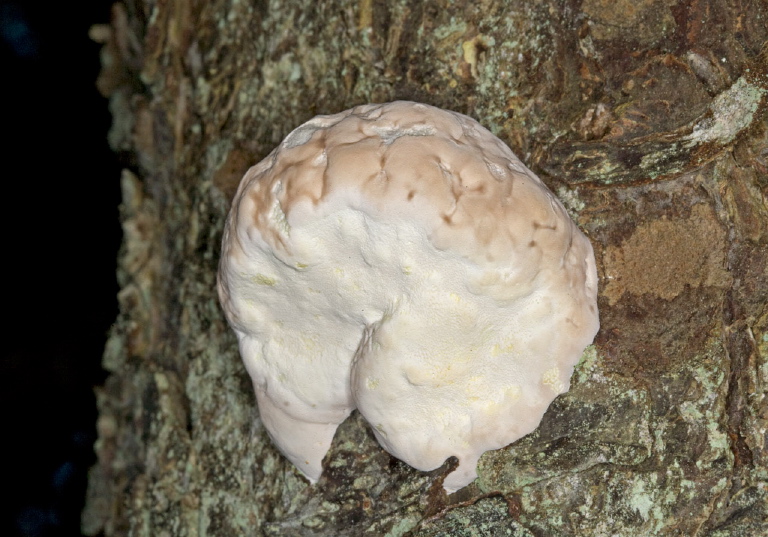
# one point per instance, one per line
(261, 279)
(502, 348)
(371, 383)
(551, 378)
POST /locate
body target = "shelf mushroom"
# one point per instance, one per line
(399, 259)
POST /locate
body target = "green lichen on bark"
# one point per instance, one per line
(654, 134)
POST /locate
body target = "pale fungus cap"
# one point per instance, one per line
(399, 259)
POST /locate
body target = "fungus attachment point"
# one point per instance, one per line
(399, 259)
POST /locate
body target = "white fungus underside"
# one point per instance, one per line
(391, 325)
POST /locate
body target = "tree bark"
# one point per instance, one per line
(646, 117)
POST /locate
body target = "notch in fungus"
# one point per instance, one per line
(399, 259)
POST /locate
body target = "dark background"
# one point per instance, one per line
(60, 218)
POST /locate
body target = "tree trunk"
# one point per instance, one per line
(646, 117)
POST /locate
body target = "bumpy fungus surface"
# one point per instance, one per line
(399, 259)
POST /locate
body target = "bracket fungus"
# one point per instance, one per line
(399, 259)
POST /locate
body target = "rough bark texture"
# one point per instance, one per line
(646, 117)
